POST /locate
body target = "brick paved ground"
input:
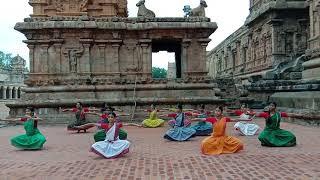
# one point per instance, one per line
(67, 156)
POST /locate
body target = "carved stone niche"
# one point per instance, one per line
(71, 7)
(73, 54)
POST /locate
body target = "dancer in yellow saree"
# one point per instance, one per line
(153, 121)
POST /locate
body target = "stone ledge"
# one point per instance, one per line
(59, 80)
(306, 102)
(274, 6)
(118, 19)
(285, 85)
(124, 101)
(305, 116)
(303, 121)
(292, 88)
(312, 63)
(128, 87)
(114, 25)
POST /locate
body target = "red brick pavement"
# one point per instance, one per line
(66, 156)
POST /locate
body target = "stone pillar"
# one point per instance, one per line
(203, 55)
(58, 59)
(4, 94)
(150, 60)
(145, 57)
(184, 58)
(115, 55)
(44, 59)
(16, 93)
(102, 52)
(10, 92)
(31, 57)
(233, 59)
(84, 64)
(312, 66)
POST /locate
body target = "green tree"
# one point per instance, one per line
(5, 60)
(159, 72)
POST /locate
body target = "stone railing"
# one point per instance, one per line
(284, 85)
(8, 92)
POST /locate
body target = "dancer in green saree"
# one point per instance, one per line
(80, 115)
(272, 135)
(33, 139)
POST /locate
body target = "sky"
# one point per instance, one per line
(228, 14)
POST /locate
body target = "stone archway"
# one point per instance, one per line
(2, 94)
(14, 93)
(169, 45)
(19, 93)
(8, 93)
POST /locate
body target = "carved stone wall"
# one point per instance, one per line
(312, 67)
(69, 51)
(279, 56)
(272, 34)
(95, 8)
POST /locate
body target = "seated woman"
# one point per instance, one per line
(186, 122)
(101, 134)
(80, 114)
(219, 142)
(202, 128)
(245, 114)
(33, 139)
(272, 135)
(153, 120)
(179, 132)
(112, 146)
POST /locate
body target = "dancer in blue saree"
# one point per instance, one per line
(178, 131)
(202, 128)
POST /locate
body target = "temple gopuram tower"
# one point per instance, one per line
(91, 51)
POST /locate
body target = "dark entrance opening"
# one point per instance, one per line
(173, 46)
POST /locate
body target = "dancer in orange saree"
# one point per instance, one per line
(219, 142)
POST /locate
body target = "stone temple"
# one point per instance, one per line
(274, 56)
(90, 51)
(11, 83)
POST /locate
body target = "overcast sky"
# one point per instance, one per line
(229, 15)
